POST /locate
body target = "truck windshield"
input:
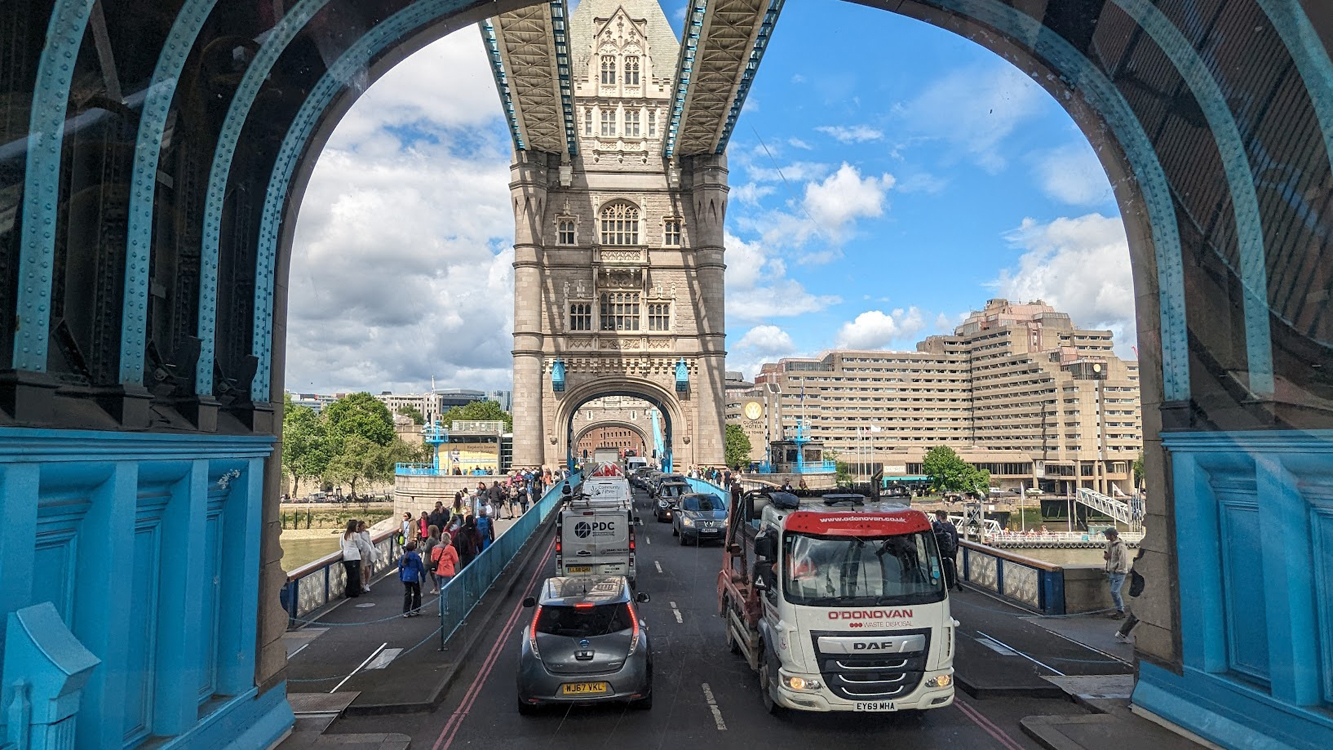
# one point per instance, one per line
(841, 571)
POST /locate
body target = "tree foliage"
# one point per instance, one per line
(414, 414)
(478, 410)
(306, 450)
(949, 473)
(737, 448)
(362, 415)
(1138, 471)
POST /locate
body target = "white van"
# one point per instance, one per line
(595, 539)
(606, 492)
(634, 463)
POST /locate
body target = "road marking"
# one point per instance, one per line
(657, 565)
(987, 726)
(712, 706)
(676, 612)
(648, 539)
(358, 669)
(997, 648)
(1020, 653)
(385, 658)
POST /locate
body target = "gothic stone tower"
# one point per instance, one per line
(618, 270)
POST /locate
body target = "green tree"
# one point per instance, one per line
(949, 473)
(305, 445)
(842, 474)
(737, 449)
(362, 415)
(414, 413)
(361, 460)
(1138, 471)
(478, 410)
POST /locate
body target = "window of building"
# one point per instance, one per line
(580, 316)
(620, 224)
(632, 123)
(608, 70)
(671, 232)
(620, 311)
(631, 71)
(652, 123)
(565, 231)
(659, 316)
(587, 121)
(608, 122)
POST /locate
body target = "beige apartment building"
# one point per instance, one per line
(1016, 390)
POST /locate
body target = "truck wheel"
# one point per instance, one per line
(732, 645)
(765, 683)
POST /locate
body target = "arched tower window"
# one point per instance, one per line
(608, 70)
(620, 224)
(631, 71)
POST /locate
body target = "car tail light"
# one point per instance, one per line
(532, 632)
(634, 618)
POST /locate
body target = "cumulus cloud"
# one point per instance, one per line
(758, 287)
(1071, 174)
(975, 109)
(827, 212)
(766, 339)
(876, 329)
(851, 133)
(401, 267)
(1079, 265)
(751, 193)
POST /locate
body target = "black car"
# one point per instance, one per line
(668, 495)
(700, 517)
(663, 479)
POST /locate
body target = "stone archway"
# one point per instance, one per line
(579, 433)
(676, 426)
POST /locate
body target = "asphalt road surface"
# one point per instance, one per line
(704, 697)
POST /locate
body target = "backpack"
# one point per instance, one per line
(484, 527)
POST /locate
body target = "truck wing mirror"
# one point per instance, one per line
(529, 602)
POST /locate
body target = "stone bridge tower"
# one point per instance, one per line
(618, 252)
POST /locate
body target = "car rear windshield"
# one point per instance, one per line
(584, 622)
(674, 490)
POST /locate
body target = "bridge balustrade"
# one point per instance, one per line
(1034, 584)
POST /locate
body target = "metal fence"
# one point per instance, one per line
(461, 594)
(318, 583)
(1035, 584)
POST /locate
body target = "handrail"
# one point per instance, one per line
(334, 557)
(1031, 562)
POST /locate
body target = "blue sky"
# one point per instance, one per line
(887, 177)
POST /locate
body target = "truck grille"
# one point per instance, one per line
(872, 676)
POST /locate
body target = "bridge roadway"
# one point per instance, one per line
(704, 696)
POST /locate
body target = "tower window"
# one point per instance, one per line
(565, 231)
(631, 71)
(632, 123)
(587, 121)
(608, 70)
(620, 311)
(659, 316)
(620, 224)
(671, 232)
(580, 316)
(608, 122)
(652, 123)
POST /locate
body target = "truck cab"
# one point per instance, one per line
(838, 602)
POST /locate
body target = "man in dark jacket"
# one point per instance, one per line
(946, 538)
(439, 518)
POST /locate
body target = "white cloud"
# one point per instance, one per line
(766, 339)
(922, 182)
(876, 329)
(975, 109)
(846, 196)
(751, 192)
(793, 172)
(401, 269)
(851, 133)
(758, 288)
(1071, 174)
(797, 78)
(798, 143)
(1080, 266)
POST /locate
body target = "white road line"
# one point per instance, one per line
(649, 539)
(657, 565)
(297, 651)
(676, 612)
(712, 706)
(358, 669)
(1020, 653)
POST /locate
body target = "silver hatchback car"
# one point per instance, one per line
(585, 644)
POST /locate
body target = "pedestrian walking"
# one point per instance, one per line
(466, 542)
(425, 550)
(439, 517)
(1136, 584)
(485, 531)
(423, 527)
(458, 503)
(405, 529)
(352, 549)
(946, 538)
(411, 572)
(1117, 566)
(444, 561)
(369, 555)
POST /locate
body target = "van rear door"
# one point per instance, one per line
(595, 541)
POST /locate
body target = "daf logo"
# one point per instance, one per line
(582, 529)
(873, 646)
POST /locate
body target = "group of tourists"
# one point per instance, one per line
(722, 476)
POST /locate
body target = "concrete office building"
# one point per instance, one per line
(1016, 389)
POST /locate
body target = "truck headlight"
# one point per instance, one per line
(940, 681)
(801, 683)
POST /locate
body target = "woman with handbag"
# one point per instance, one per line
(351, 549)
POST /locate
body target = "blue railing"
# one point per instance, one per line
(415, 469)
(460, 595)
(1034, 584)
(316, 584)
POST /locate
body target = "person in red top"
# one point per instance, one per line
(444, 560)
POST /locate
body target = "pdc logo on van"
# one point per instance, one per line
(872, 614)
(585, 529)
